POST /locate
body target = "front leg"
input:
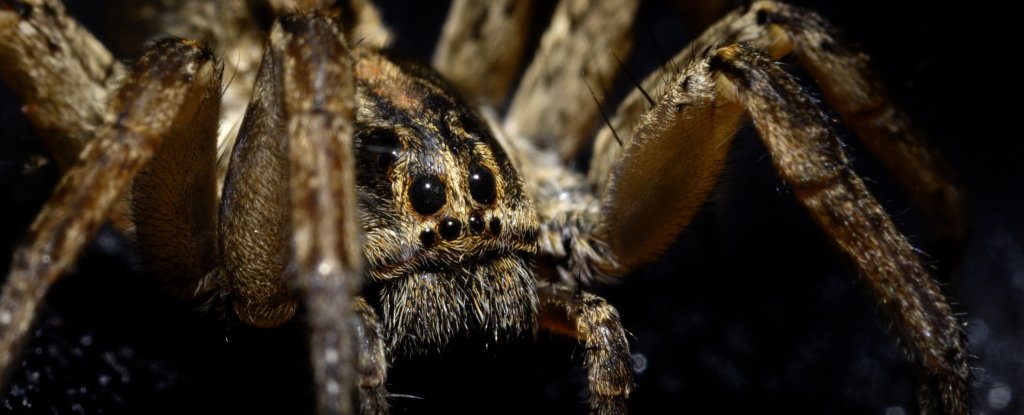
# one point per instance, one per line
(372, 362)
(595, 323)
(171, 93)
(673, 157)
(289, 215)
(810, 158)
(59, 70)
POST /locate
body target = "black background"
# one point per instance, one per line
(750, 310)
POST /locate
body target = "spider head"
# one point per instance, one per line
(450, 233)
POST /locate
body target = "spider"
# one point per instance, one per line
(352, 163)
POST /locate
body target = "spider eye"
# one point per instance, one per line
(427, 194)
(380, 147)
(450, 228)
(481, 184)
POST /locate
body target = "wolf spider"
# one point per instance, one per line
(351, 163)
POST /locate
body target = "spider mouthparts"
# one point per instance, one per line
(493, 293)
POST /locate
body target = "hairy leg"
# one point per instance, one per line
(291, 194)
(552, 106)
(173, 86)
(62, 74)
(373, 363)
(699, 111)
(849, 85)
(841, 205)
(360, 18)
(324, 218)
(481, 47)
(810, 158)
(595, 323)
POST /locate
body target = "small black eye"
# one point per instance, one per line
(481, 184)
(427, 194)
(450, 228)
(427, 237)
(476, 223)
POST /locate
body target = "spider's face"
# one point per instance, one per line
(450, 233)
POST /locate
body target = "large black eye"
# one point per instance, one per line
(481, 184)
(380, 148)
(427, 194)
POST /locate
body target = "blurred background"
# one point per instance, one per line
(751, 309)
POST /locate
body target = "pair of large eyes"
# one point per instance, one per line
(427, 192)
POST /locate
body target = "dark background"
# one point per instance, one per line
(750, 310)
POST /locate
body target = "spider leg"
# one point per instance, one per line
(175, 85)
(226, 27)
(552, 105)
(808, 155)
(848, 84)
(59, 70)
(325, 229)
(596, 324)
(294, 161)
(373, 364)
(707, 97)
(481, 46)
(361, 18)
(654, 183)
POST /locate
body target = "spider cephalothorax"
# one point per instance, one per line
(351, 165)
(450, 232)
